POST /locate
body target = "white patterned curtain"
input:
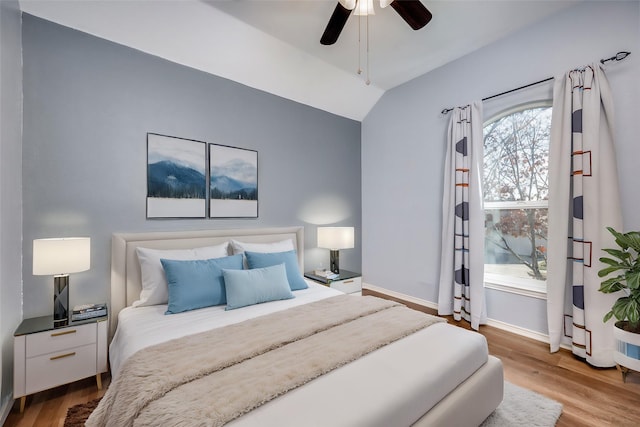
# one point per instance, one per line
(462, 262)
(583, 200)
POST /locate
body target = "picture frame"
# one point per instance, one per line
(233, 182)
(176, 177)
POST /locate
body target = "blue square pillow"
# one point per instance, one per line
(290, 260)
(248, 287)
(197, 283)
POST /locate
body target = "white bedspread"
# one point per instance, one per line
(392, 386)
(141, 327)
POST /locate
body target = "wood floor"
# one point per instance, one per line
(49, 408)
(591, 397)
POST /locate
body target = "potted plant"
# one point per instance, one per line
(625, 260)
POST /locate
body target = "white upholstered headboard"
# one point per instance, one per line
(125, 268)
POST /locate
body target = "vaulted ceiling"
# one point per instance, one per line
(273, 45)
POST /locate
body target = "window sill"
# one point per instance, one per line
(524, 291)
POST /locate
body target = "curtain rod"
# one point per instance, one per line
(617, 57)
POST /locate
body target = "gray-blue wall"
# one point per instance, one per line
(405, 136)
(88, 104)
(10, 193)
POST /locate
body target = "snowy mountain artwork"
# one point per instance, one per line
(176, 177)
(233, 182)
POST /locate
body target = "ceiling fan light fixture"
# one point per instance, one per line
(413, 12)
(364, 8)
(348, 4)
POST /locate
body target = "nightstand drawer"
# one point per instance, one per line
(348, 286)
(53, 369)
(60, 339)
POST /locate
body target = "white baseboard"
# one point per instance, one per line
(7, 405)
(498, 324)
(518, 330)
(401, 296)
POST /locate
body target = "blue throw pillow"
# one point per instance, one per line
(248, 287)
(290, 260)
(197, 283)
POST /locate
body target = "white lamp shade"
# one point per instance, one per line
(61, 256)
(335, 238)
(364, 8)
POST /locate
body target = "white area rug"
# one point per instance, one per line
(522, 407)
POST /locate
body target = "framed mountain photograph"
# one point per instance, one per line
(233, 182)
(176, 177)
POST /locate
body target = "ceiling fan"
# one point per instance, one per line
(412, 11)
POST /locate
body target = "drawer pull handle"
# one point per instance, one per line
(348, 281)
(62, 356)
(57, 334)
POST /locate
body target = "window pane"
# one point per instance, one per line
(516, 156)
(516, 243)
(516, 192)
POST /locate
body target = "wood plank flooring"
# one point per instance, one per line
(591, 397)
(49, 408)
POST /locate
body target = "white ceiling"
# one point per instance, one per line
(274, 45)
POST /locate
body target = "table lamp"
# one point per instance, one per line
(334, 239)
(59, 257)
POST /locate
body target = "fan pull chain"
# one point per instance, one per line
(368, 81)
(359, 48)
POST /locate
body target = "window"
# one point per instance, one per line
(516, 191)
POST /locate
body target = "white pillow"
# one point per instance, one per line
(282, 246)
(154, 282)
(265, 248)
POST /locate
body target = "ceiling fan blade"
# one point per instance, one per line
(336, 24)
(413, 12)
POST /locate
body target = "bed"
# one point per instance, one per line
(439, 375)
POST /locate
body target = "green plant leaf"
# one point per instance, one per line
(612, 262)
(621, 255)
(633, 279)
(619, 308)
(612, 285)
(608, 270)
(633, 313)
(628, 240)
(620, 238)
(628, 254)
(634, 240)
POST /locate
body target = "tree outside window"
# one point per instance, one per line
(516, 192)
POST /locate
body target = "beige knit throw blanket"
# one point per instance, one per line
(211, 378)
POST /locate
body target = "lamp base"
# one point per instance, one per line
(60, 300)
(334, 261)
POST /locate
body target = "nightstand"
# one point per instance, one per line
(45, 357)
(347, 281)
